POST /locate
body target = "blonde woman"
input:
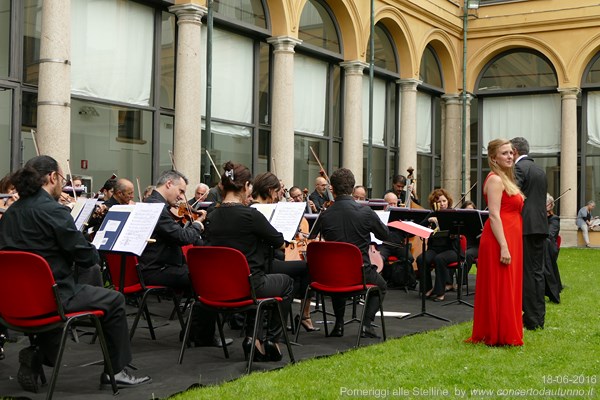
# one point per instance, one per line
(497, 319)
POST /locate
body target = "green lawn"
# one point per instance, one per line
(563, 360)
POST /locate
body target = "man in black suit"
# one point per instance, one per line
(532, 181)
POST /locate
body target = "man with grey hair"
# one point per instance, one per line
(584, 220)
(531, 179)
(163, 262)
(200, 194)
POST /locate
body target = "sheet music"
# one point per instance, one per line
(286, 218)
(412, 228)
(384, 216)
(86, 208)
(138, 228)
(265, 209)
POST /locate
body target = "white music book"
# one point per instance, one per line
(127, 228)
(284, 216)
(82, 211)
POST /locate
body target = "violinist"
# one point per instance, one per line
(107, 190)
(199, 194)
(297, 196)
(319, 197)
(266, 189)
(163, 262)
(398, 188)
(122, 193)
(347, 221)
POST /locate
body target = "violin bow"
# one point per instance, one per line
(37, 149)
(213, 164)
(137, 181)
(464, 196)
(323, 172)
(71, 177)
(561, 195)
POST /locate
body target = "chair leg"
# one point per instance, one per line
(186, 334)
(220, 322)
(324, 316)
(362, 318)
(302, 305)
(382, 316)
(177, 310)
(257, 322)
(107, 363)
(285, 334)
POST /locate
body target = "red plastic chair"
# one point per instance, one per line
(126, 278)
(336, 269)
(29, 303)
(221, 281)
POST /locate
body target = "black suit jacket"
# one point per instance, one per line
(532, 181)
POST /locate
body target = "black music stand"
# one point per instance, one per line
(404, 214)
(460, 222)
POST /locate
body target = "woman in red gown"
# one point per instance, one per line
(497, 319)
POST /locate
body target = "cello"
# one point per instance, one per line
(416, 246)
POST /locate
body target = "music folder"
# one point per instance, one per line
(127, 228)
(284, 216)
(82, 211)
(412, 228)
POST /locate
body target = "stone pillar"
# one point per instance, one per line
(352, 147)
(282, 106)
(54, 94)
(452, 146)
(187, 150)
(408, 125)
(568, 166)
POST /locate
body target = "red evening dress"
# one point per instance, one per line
(497, 316)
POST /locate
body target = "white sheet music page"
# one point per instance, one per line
(384, 216)
(265, 209)
(286, 218)
(138, 228)
(87, 208)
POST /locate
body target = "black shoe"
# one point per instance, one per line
(272, 351)
(369, 332)
(258, 356)
(303, 322)
(338, 330)
(215, 342)
(30, 369)
(124, 380)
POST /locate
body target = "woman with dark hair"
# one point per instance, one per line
(267, 189)
(441, 251)
(246, 229)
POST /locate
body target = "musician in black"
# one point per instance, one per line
(319, 197)
(37, 223)
(348, 221)
(398, 185)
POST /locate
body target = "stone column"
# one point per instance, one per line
(187, 150)
(568, 166)
(54, 94)
(408, 125)
(452, 146)
(282, 106)
(352, 147)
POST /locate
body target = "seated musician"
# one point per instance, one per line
(359, 193)
(107, 190)
(319, 197)
(334, 225)
(553, 285)
(122, 193)
(246, 229)
(266, 189)
(163, 262)
(11, 195)
(398, 185)
(297, 196)
(200, 194)
(441, 251)
(37, 223)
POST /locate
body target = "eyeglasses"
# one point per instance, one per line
(64, 180)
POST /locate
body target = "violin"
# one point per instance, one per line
(184, 213)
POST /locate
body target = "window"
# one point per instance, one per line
(4, 37)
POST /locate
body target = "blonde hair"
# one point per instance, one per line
(507, 175)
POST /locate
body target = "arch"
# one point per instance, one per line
(397, 27)
(582, 58)
(283, 18)
(489, 50)
(348, 19)
(441, 42)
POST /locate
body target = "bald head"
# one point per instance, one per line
(320, 184)
(123, 191)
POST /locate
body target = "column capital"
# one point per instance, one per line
(408, 85)
(354, 67)
(284, 43)
(189, 12)
(569, 93)
(452, 98)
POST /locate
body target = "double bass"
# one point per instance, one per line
(416, 246)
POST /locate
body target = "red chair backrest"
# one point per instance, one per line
(25, 287)
(335, 263)
(219, 273)
(113, 261)
(558, 241)
(463, 245)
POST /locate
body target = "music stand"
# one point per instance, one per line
(423, 233)
(460, 222)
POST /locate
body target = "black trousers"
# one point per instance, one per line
(272, 285)
(114, 324)
(534, 302)
(297, 270)
(371, 277)
(178, 279)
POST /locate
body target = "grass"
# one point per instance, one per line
(563, 360)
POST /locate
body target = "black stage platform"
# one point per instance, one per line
(207, 365)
